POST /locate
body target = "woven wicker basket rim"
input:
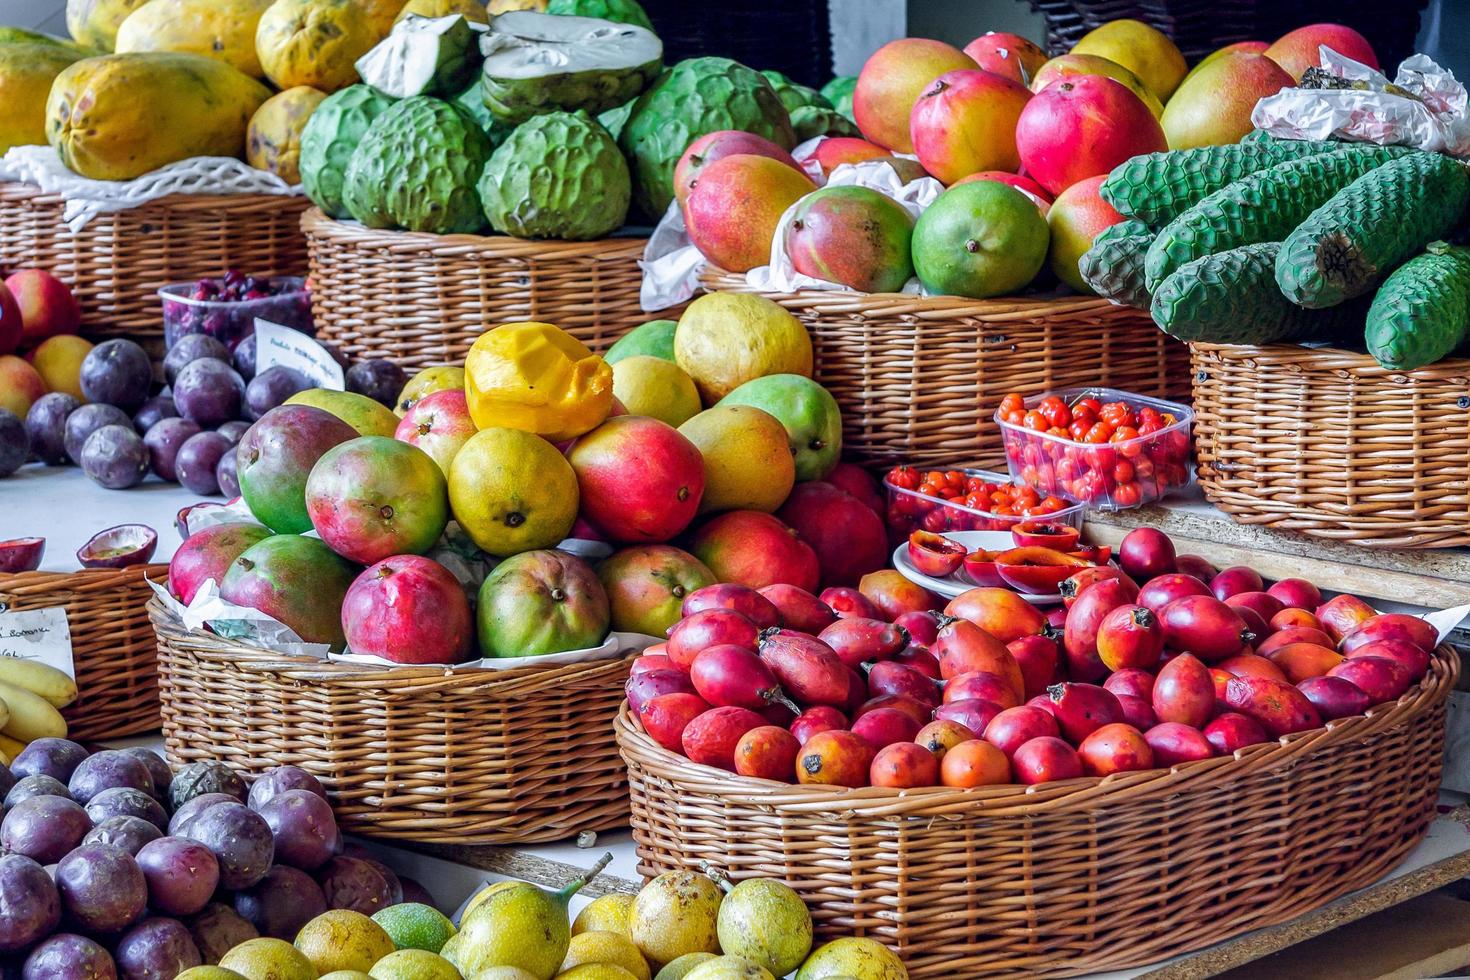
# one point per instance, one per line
(1015, 800)
(1335, 360)
(21, 191)
(395, 681)
(82, 580)
(350, 234)
(839, 302)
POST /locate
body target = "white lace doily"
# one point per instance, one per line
(41, 166)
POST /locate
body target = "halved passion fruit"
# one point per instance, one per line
(1045, 534)
(119, 547)
(21, 554)
(934, 554)
(980, 566)
(1036, 571)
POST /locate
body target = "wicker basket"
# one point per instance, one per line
(1327, 443)
(116, 262)
(422, 299)
(1073, 877)
(919, 379)
(418, 754)
(112, 645)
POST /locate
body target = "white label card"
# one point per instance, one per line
(278, 345)
(38, 634)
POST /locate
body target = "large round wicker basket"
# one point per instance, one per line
(1325, 442)
(1071, 877)
(919, 378)
(422, 299)
(116, 262)
(112, 647)
(413, 753)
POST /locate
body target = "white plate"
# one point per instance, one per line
(952, 585)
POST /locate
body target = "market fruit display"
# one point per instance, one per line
(1273, 240)
(986, 692)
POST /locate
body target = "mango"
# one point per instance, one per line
(221, 29)
(313, 42)
(359, 411)
(26, 73)
(95, 22)
(119, 116)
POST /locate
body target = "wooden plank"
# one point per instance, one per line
(1424, 937)
(1423, 578)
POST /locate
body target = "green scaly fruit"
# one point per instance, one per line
(558, 176)
(536, 63)
(839, 92)
(1113, 266)
(618, 11)
(472, 100)
(695, 97)
(794, 95)
(1422, 311)
(1157, 187)
(810, 121)
(331, 134)
(521, 926)
(416, 169)
(1261, 207)
(1371, 226)
(1228, 298)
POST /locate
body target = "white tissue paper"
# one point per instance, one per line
(41, 166)
(1424, 107)
(671, 265)
(238, 622)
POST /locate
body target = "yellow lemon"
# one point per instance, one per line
(1143, 50)
(537, 377)
(512, 491)
(747, 458)
(726, 339)
(657, 388)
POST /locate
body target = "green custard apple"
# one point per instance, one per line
(619, 11)
(558, 176)
(416, 169)
(331, 134)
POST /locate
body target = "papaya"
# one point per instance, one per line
(121, 115)
(381, 15)
(223, 29)
(313, 42)
(26, 74)
(95, 22)
(473, 10)
(273, 141)
(19, 35)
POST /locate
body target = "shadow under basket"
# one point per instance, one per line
(112, 645)
(1071, 877)
(118, 261)
(422, 299)
(919, 378)
(1327, 443)
(412, 753)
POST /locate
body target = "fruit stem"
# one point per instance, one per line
(577, 884)
(717, 876)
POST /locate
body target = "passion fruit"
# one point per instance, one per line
(21, 554)
(119, 547)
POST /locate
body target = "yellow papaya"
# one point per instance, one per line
(273, 141)
(26, 74)
(119, 116)
(223, 29)
(313, 42)
(381, 15)
(473, 10)
(95, 22)
(19, 35)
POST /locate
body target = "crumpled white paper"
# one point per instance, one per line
(1432, 116)
(85, 198)
(671, 264)
(209, 514)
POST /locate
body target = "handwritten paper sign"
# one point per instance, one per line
(278, 345)
(38, 634)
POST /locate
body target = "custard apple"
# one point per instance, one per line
(794, 96)
(695, 97)
(560, 175)
(537, 63)
(423, 56)
(330, 136)
(810, 121)
(472, 100)
(416, 169)
(839, 92)
(620, 11)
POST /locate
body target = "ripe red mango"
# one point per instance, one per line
(1006, 54)
(891, 81)
(1298, 50)
(1081, 127)
(965, 122)
(732, 211)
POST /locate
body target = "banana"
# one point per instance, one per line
(31, 716)
(38, 678)
(4, 714)
(10, 748)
